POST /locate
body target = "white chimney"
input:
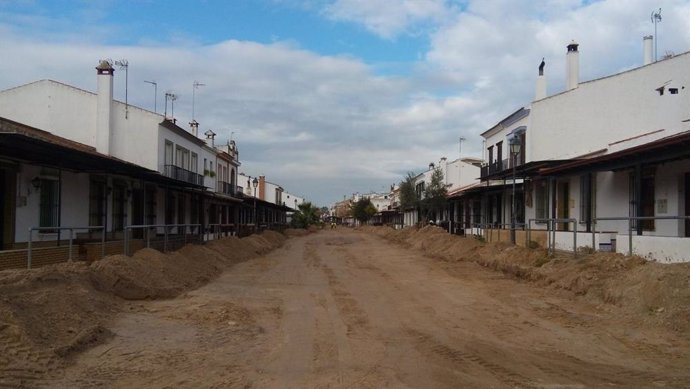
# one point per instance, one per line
(210, 138)
(104, 106)
(195, 127)
(540, 91)
(572, 66)
(648, 43)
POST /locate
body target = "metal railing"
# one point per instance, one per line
(629, 219)
(148, 229)
(226, 188)
(185, 175)
(218, 230)
(71, 238)
(551, 232)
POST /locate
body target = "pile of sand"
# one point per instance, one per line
(49, 314)
(657, 293)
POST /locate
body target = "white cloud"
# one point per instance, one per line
(388, 18)
(325, 126)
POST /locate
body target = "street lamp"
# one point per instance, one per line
(255, 183)
(514, 151)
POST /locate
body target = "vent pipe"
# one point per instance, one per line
(648, 48)
(540, 91)
(572, 66)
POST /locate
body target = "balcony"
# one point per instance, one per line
(500, 166)
(178, 173)
(227, 188)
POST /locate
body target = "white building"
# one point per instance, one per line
(165, 175)
(614, 147)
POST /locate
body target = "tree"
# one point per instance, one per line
(408, 195)
(435, 195)
(363, 210)
(306, 216)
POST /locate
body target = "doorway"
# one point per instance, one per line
(687, 204)
(563, 204)
(8, 188)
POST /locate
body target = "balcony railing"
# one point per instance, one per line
(181, 174)
(227, 188)
(499, 166)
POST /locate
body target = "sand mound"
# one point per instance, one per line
(656, 293)
(50, 314)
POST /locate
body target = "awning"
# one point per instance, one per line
(667, 149)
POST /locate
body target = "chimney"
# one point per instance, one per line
(647, 44)
(104, 106)
(262, 187)
(540, 92)
(210, 138)
(195, 127)
(572, 66)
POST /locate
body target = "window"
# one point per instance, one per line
(210, 165)
(491, 154)
(119, 213)
(194, 209)
(97, 197)
(646, 200)
(181, 209)
(182, 157)
(541, 199)
(50, 203)
(194, 162)
(419, 190)
(499, 154)
(168, 152)
(205, 164)
(588, 198)
(150, 204)
(169, 207)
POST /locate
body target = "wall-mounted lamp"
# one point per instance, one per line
(36, 183)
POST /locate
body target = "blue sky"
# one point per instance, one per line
(332, 97)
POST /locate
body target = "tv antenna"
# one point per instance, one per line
(155, 94)
(172, 97)
(124, 64)
(656, 18)
(195, 85)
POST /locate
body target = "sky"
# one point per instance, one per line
(331, 97)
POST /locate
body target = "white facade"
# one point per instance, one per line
(292, 201)
(612, 113)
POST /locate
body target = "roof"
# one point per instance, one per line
(617, 74)
(23, 143)
(170, 125)
(666, 149)
(507, 121)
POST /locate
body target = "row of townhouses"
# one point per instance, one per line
(604, 164)
(73, 158)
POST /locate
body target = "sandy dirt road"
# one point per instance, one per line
(343, 309)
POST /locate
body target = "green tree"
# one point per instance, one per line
(306, 216)
(435, 193)
(363, 210)
(408, 196)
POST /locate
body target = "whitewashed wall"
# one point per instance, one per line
(600, 112)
